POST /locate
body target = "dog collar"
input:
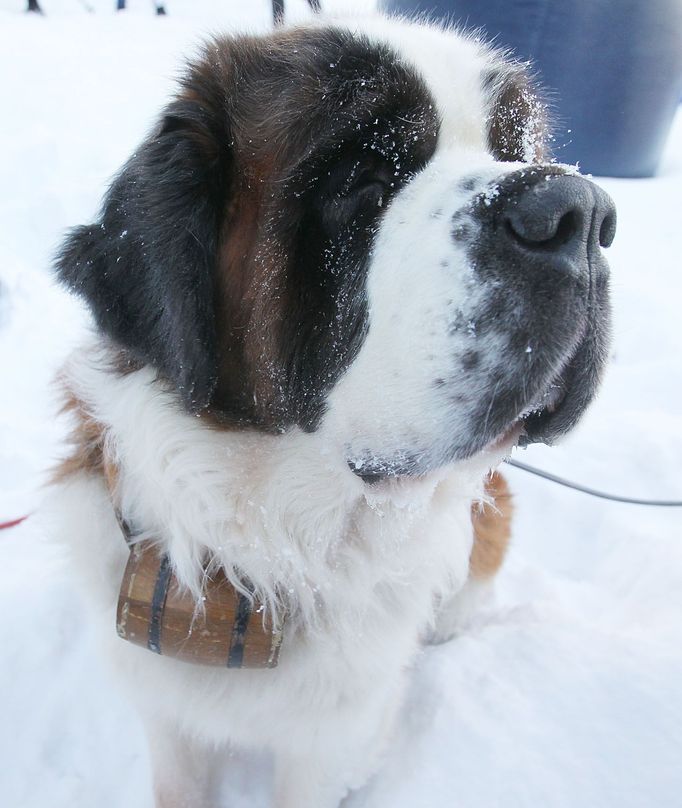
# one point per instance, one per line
(229, 628)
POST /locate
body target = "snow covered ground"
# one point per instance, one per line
(566, 692)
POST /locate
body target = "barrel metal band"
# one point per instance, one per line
(235, 658)
(158, 605)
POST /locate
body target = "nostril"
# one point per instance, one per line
(607, 231)
(553, 214)
(544, 233)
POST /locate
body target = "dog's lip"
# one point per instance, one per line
(512, 435)
(517, 432)
(550, 401)
(508, 439)
(547, 405)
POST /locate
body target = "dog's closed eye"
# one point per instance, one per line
(354, 193)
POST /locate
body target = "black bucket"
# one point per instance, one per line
(613, 69)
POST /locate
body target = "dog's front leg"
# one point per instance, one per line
(339, 755)
(185, 773)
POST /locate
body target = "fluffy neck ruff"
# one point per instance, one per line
(283, 511)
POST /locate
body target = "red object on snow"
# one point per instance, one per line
(13, 522)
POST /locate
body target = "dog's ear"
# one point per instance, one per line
(146, 268)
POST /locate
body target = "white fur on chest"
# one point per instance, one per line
(355, 567)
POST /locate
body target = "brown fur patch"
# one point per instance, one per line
(86, 442)
(249, 310)
(517, 126)
(492, 529)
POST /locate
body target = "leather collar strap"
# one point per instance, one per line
(229, 628)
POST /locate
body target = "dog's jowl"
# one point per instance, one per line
(335, 286)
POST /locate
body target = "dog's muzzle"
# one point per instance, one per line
(531, 336)
(539, 247)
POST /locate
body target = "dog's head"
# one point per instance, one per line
(357, 232)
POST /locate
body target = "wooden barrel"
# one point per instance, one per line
(228, 630)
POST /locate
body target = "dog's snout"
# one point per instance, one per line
(558, 214)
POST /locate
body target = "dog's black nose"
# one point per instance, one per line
(558, 214)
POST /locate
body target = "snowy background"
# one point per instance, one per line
(566, 692)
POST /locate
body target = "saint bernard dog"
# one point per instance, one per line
(336, 284)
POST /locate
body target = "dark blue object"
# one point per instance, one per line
(613, 69)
